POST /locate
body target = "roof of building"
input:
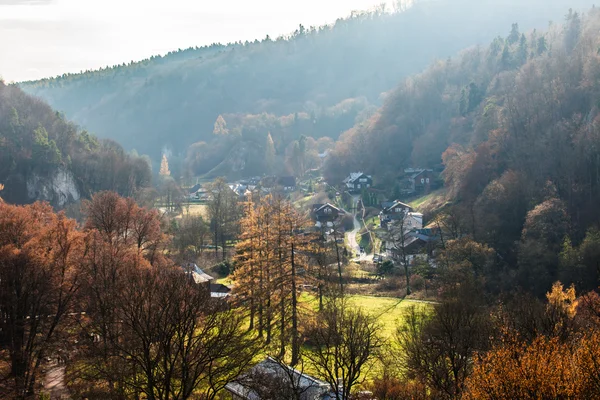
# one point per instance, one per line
(271, 367)
(219, 288)
(323, 206)
(196, 273)
(398, 203)
(194, 188)
(354, 176)
(387, 204)
(414, 172)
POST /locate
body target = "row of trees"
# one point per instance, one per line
(106, 296)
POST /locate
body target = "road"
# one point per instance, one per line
(352, 236)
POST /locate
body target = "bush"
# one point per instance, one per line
(417, 282)
(389, 388)
(385, 268)
(392, 284)
(224, 268)
(348, 222)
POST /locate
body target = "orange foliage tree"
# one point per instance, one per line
(40, 255)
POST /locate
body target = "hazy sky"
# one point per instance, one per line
(40, 38)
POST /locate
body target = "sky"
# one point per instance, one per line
(42, 38)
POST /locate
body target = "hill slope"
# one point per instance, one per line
(45, 157)
(172, 102)
(517, 127)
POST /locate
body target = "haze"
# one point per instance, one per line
(42, 38)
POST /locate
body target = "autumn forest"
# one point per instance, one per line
(360, 210)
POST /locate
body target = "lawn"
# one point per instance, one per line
(196, 209)
(388, 311)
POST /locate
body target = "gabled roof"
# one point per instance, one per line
(354, 176)
(271, 368)
(415, 172)
(194, 188)
(387, 204)
(328, 205)
(398, 203)
(197, 274)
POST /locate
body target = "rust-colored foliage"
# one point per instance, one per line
(40, 256)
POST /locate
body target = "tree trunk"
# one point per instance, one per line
(295, 338)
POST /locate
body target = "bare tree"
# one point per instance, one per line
(273, 379)
(172, 340)
(225, 212)
(437, 348)
(344, 342)
(398, 236)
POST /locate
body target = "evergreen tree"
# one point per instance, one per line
(164, 166)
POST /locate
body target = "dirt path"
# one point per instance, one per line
(54, 382)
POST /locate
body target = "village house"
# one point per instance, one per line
(270, 379)
(415, 240)
(197, 192)
(200, 277)
(358, 181)
(417, 180)
(393, 211)
(242, 189)
(325, 212)
(282, 183)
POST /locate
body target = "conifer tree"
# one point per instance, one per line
(164, 166)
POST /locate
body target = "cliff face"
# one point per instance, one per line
(57, 187)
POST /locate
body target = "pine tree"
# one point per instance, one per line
(220, 127)
(164, 166)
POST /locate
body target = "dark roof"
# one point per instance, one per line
(219, 288)
(354, 176)
(194, 188)
(269, 368)
(287, 181)
(330, 205)
(398, 203)
(419, 172)
(387, 204)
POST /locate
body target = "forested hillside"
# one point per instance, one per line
(517, 127)
(45, 157)
(171, 102)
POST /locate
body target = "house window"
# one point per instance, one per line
(358, 186)
(328, 211)
(363, 180)
(427, 180)
(422, 180)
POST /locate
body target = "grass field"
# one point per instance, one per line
(196, 209)
(388, 311)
